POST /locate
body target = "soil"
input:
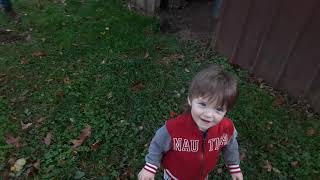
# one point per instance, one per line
(193, 21)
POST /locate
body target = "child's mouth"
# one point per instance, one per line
(205, 120)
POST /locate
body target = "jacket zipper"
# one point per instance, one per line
(202, 155)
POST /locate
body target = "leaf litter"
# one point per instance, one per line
(85, 133)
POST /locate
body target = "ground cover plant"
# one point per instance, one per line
(82, 94)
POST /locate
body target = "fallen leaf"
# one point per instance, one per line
(138, 86)
(146, 55)
(109, 96)
(276, 170)
(269, 125)
(12, 140)
(33, 170)
(18, 165)
(40, 120)
(85, 133)
(279, 100)
(35, 87)
(60, 94)
(39, 54)
(36, 164)
(270, 146)
(95, 146)
(172, 58)
(268, 166)
(79, 175)
(242, 155)
(66, 80)
(127, 174)
(25, 126)
(294, 164)
(47, 139)
(311, 132)
(24, 61)
(172, 114)
(3, 77)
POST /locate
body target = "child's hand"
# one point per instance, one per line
(237, 176)
(145, 175)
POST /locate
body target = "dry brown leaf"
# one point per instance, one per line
(242, 155)
(138, 86)
(35, 87)
(25, 126)
(279, 100)
(40, 120)
(267, 166)
(24, 61)
(172, 114)
(270, 146)
(146, 55)
(60, 94)
(95, 146)
(172, 58)
(39, 54)
(36, 164)
(47, 139)
(311, 132)
(3, 77)
(128, 173)
(294, 164)
(66, 80)
(12, 140)
(33, 169)
(85, 133)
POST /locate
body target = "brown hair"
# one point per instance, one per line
(213, 83)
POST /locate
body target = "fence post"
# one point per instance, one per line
(149, 7)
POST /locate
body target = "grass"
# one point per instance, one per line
(112, 69)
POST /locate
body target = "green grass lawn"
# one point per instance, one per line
(96, 63)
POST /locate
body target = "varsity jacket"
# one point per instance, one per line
(185, 152)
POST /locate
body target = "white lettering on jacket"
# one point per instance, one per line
(216, 143)
(187, 145)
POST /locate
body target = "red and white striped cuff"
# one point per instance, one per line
(234, 168)
(151, 168)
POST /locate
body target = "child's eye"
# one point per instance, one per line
(220, 109)
(202, 104)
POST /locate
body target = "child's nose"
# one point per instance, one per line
(209, 113)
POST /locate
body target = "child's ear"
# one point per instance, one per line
(189, 101)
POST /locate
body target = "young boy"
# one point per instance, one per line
(188, 146)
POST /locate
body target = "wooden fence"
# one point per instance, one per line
(277, 40)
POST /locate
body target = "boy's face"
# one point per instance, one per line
(206, 114)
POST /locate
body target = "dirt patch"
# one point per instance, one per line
(192, 21)
(9, 36)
